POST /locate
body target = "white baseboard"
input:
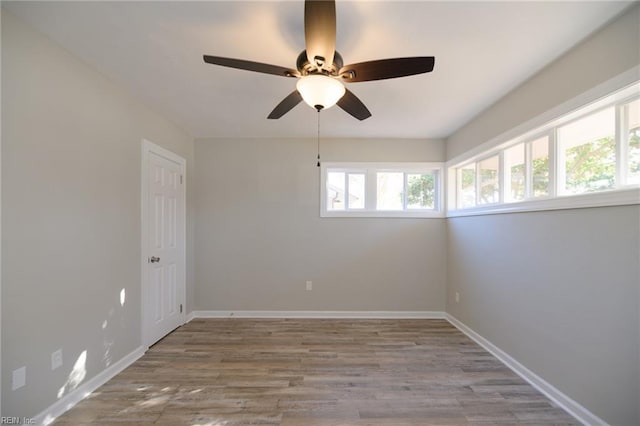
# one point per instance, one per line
(319, 314)
(81, 392)
(572, 407)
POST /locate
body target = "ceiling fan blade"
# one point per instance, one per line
(251, 66)
(286, 105)
(320, 31)
(354, 106)
(387, 68)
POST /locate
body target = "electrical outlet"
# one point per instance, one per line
(56, 359)
(309, 285)
(457, 297)
(19, 378)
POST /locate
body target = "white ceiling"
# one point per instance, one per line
(154, 49)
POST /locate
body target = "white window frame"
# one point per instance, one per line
(621, 194)
(370, 169)
(560, 182)
(506, 174)
(479, 178)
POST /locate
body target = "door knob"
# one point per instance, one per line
(154, 259)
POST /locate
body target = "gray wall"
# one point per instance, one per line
(71, 143)
(259, 236)
(558, 290)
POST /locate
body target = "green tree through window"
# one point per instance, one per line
(591, 166)
(420, 190)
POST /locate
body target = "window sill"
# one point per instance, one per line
(617, 197)
(429, 214)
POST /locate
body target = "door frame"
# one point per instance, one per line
(148, 148)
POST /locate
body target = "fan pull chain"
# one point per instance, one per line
(318, 137)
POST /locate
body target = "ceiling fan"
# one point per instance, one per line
(320, 68)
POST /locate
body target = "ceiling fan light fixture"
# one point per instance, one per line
(320, 91)
(321, 70)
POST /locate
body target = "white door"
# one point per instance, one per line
(165, 246)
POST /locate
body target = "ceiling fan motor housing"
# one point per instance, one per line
(307, 68)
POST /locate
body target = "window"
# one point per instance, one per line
(590, 150)
(489, 181)
(345, 191)
(514, 173)
(389, 190)
(421, 191)
(335, 191)
(381, 189)
(356, 190)
(587, 153)
(632, 113)
(540, 167)
(467, 186)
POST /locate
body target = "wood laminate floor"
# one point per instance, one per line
(314, 372)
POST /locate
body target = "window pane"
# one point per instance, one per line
(421, 191)
(489, 185)
(540, 167)
(389, 190)
(633, 149)
(514, 173)
(335, 190)
(356, 190)
(589, 150)
(467, 182)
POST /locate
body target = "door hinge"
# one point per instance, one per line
(180, 179)
(181, 308)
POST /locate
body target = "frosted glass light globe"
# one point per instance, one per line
(320, 91)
